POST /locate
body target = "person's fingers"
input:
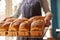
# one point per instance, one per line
(47, 22)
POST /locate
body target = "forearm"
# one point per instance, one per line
(46, 9)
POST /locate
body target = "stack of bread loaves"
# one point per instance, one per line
(4, 26)
(22, 27)
(14, 26)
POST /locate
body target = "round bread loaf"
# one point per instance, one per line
(37, 28)
(35, 18)
(24, 29)
(4, 28)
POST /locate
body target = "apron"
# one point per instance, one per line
(30, 8)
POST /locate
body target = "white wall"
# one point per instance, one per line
(2, 9)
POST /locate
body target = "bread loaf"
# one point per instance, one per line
(24, 29)
(37, 28)
(35, 18)
(10, 19)
(4, 28)
(15, 26)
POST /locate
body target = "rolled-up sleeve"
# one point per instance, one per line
(45, 6)
(18, 13)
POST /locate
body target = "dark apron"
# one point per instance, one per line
(29, 9)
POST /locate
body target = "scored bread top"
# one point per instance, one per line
(35, 18)
(5, 26)
(15, 24)
(24, 26)
(10, 20)
(37, 25)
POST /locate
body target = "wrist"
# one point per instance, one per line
(49, 15)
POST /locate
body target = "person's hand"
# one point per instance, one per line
(47, 19)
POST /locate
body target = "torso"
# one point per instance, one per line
(31, 8)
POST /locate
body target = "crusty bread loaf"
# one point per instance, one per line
(4, 28)
(24, 25)
(1, 29)
(35, 18)
(37, 28)
(4, 25)
(7, 20)
(1, 23)
(24, 29)
(15, 26)
(16, 23)
(10, 19)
